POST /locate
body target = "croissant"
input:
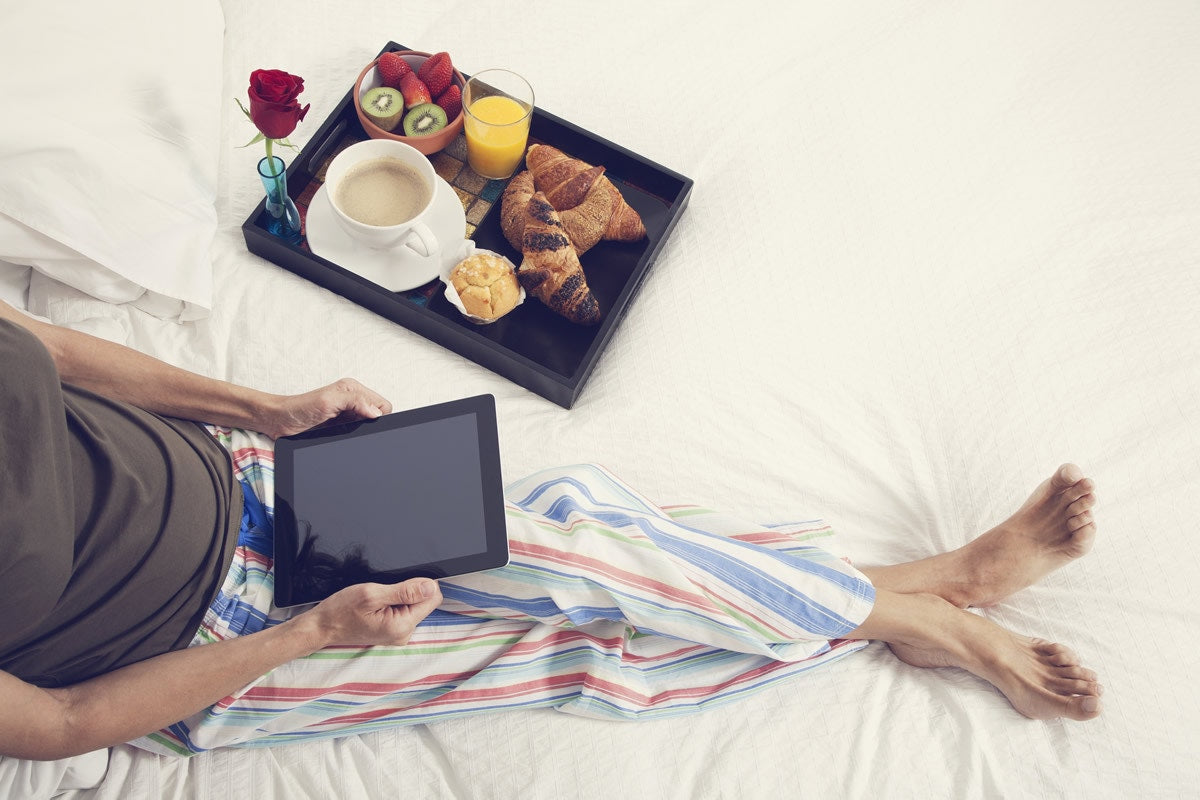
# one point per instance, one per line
(561, 177)
(550, 270)
(583, 224)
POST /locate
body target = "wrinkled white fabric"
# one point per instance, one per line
(945, 248)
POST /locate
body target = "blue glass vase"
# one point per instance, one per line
(284, 219)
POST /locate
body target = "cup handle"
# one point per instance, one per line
(421, 240)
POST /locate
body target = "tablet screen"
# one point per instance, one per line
(408, 494)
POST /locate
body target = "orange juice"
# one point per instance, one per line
(497, 128)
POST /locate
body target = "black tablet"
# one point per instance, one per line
(414, 493)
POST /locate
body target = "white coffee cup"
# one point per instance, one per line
(413, 233)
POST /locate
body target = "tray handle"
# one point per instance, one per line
(321, 151)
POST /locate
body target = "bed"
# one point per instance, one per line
(933, 250)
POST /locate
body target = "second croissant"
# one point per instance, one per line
(590, 205)
(550, 270)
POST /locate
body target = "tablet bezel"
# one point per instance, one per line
(286, 535)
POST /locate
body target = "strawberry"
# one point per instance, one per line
(451, 102)
(437, 72)
(392, 67)
(414, 90)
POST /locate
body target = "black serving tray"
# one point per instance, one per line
(531, 346)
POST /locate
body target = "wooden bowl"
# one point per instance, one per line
(369, 78)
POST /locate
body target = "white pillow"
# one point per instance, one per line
(14, 284)
(110, 145)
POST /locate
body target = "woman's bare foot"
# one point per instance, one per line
(1041, 679)
(1054, 526)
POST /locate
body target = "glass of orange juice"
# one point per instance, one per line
(498, 105)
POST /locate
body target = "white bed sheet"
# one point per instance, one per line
(934, 250)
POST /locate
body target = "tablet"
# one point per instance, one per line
(414, 493)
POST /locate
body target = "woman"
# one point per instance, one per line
(127, 529)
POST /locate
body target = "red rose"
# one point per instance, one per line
(273, 107)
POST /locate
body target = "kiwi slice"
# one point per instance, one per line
(384, 106)
(424, 119)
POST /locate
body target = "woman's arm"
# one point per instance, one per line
(122, 373)
(144, 697)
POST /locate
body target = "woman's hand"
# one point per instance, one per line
(121, 373)
(140, 698)
(373, 613)
(345, 400)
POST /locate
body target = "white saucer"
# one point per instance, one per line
(400, 268)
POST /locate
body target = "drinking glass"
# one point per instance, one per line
(498, 104)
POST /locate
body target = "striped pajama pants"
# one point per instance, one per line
(610, 607)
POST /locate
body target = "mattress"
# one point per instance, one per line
(933, 251)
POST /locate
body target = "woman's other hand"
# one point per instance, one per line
(345, 400)
(140, 698)
(373, 613)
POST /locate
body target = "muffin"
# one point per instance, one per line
(486, 285)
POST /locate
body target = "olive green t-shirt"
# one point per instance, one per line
(116, 525)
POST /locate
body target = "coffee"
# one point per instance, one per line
(382, 191)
